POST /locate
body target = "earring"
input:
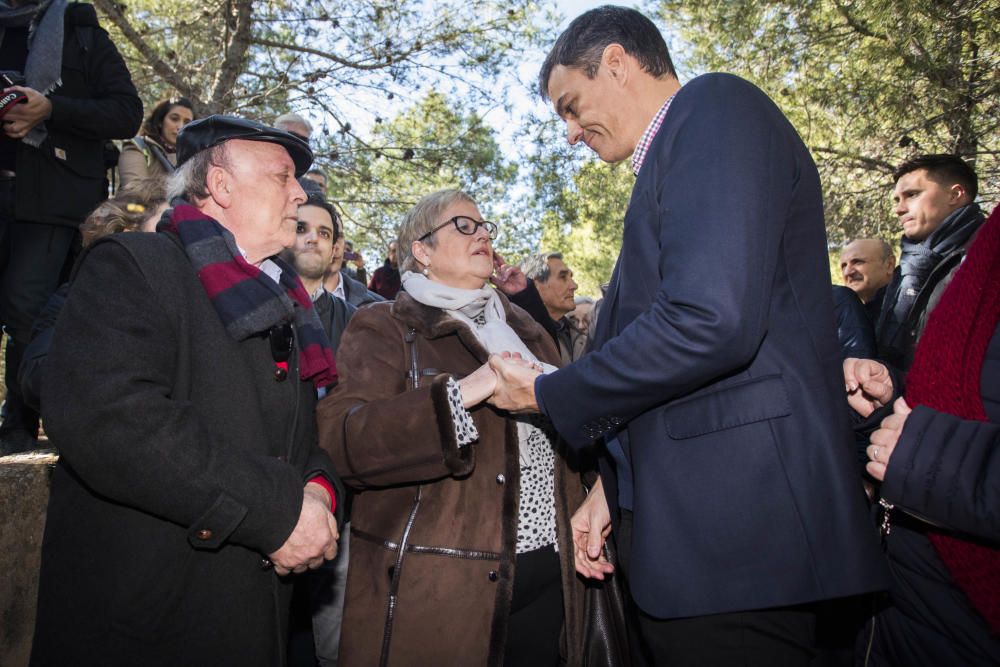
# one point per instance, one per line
(426, 272)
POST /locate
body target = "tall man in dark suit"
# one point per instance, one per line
(714, 382)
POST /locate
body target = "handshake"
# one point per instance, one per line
(506, 381)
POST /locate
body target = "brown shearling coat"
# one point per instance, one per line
(454, 509)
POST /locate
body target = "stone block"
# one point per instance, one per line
(24, 498)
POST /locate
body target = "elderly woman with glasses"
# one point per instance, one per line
(460, 550)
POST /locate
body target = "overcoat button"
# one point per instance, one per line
(501, 479)
(493, 575)
(280, 374)
(266, 564)
(204, 534)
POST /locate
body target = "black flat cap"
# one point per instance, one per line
(210, 131)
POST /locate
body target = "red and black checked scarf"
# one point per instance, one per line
(247, 300)
(946, 376)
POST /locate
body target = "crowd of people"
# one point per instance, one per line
(268, 458)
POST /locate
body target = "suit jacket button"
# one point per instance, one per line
(501, 479)
(204, 534)
(493, 575)
(280, 374)
(266, 564)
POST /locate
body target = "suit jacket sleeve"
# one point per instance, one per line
(106, 399)
(947, 469)
(723, 187)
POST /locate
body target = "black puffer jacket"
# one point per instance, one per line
(63, 180)
(946, 470)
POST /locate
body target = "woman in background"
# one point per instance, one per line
(153, 152)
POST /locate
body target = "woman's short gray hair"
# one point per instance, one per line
(421, 219)
(190, 180)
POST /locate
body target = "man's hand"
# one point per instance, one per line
(515, 388)
(868, 385)
(509, 279)
(591, 526)
(23, 117)
(883, 441)
(314, 538)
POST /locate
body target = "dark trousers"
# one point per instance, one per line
(536, 610)
(34, 258)
(782, 636)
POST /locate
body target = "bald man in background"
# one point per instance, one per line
(866, 266)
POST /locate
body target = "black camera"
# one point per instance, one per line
(9, 98)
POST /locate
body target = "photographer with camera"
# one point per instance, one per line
(72, 92)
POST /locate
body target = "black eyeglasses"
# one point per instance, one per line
(467, 226)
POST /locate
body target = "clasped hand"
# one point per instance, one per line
(314, 538)
(506, 381)
(868, 385)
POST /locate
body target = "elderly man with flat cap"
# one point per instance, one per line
(180, 391)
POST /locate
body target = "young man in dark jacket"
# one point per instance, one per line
(935, 454)
(78, 93)
(935, 202)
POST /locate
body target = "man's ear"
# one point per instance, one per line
(219, 183)
(616, 62)
(957, 195)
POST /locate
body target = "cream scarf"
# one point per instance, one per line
(482, 312)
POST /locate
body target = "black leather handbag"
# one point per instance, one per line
(605, 634)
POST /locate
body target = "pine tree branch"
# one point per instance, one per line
(169, 74)
(235, 55)
(864, 161)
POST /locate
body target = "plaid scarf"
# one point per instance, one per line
(246, 299)
(946, 377)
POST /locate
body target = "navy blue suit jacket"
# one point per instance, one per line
(716, 355)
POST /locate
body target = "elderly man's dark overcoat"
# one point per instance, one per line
(182, 464)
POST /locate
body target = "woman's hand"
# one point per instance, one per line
(883, 441)
(509, 279)
(478, 386)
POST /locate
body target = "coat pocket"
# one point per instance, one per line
(750, 401)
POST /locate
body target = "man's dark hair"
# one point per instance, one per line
(314, 198)
(581, 45)
(943, 168)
